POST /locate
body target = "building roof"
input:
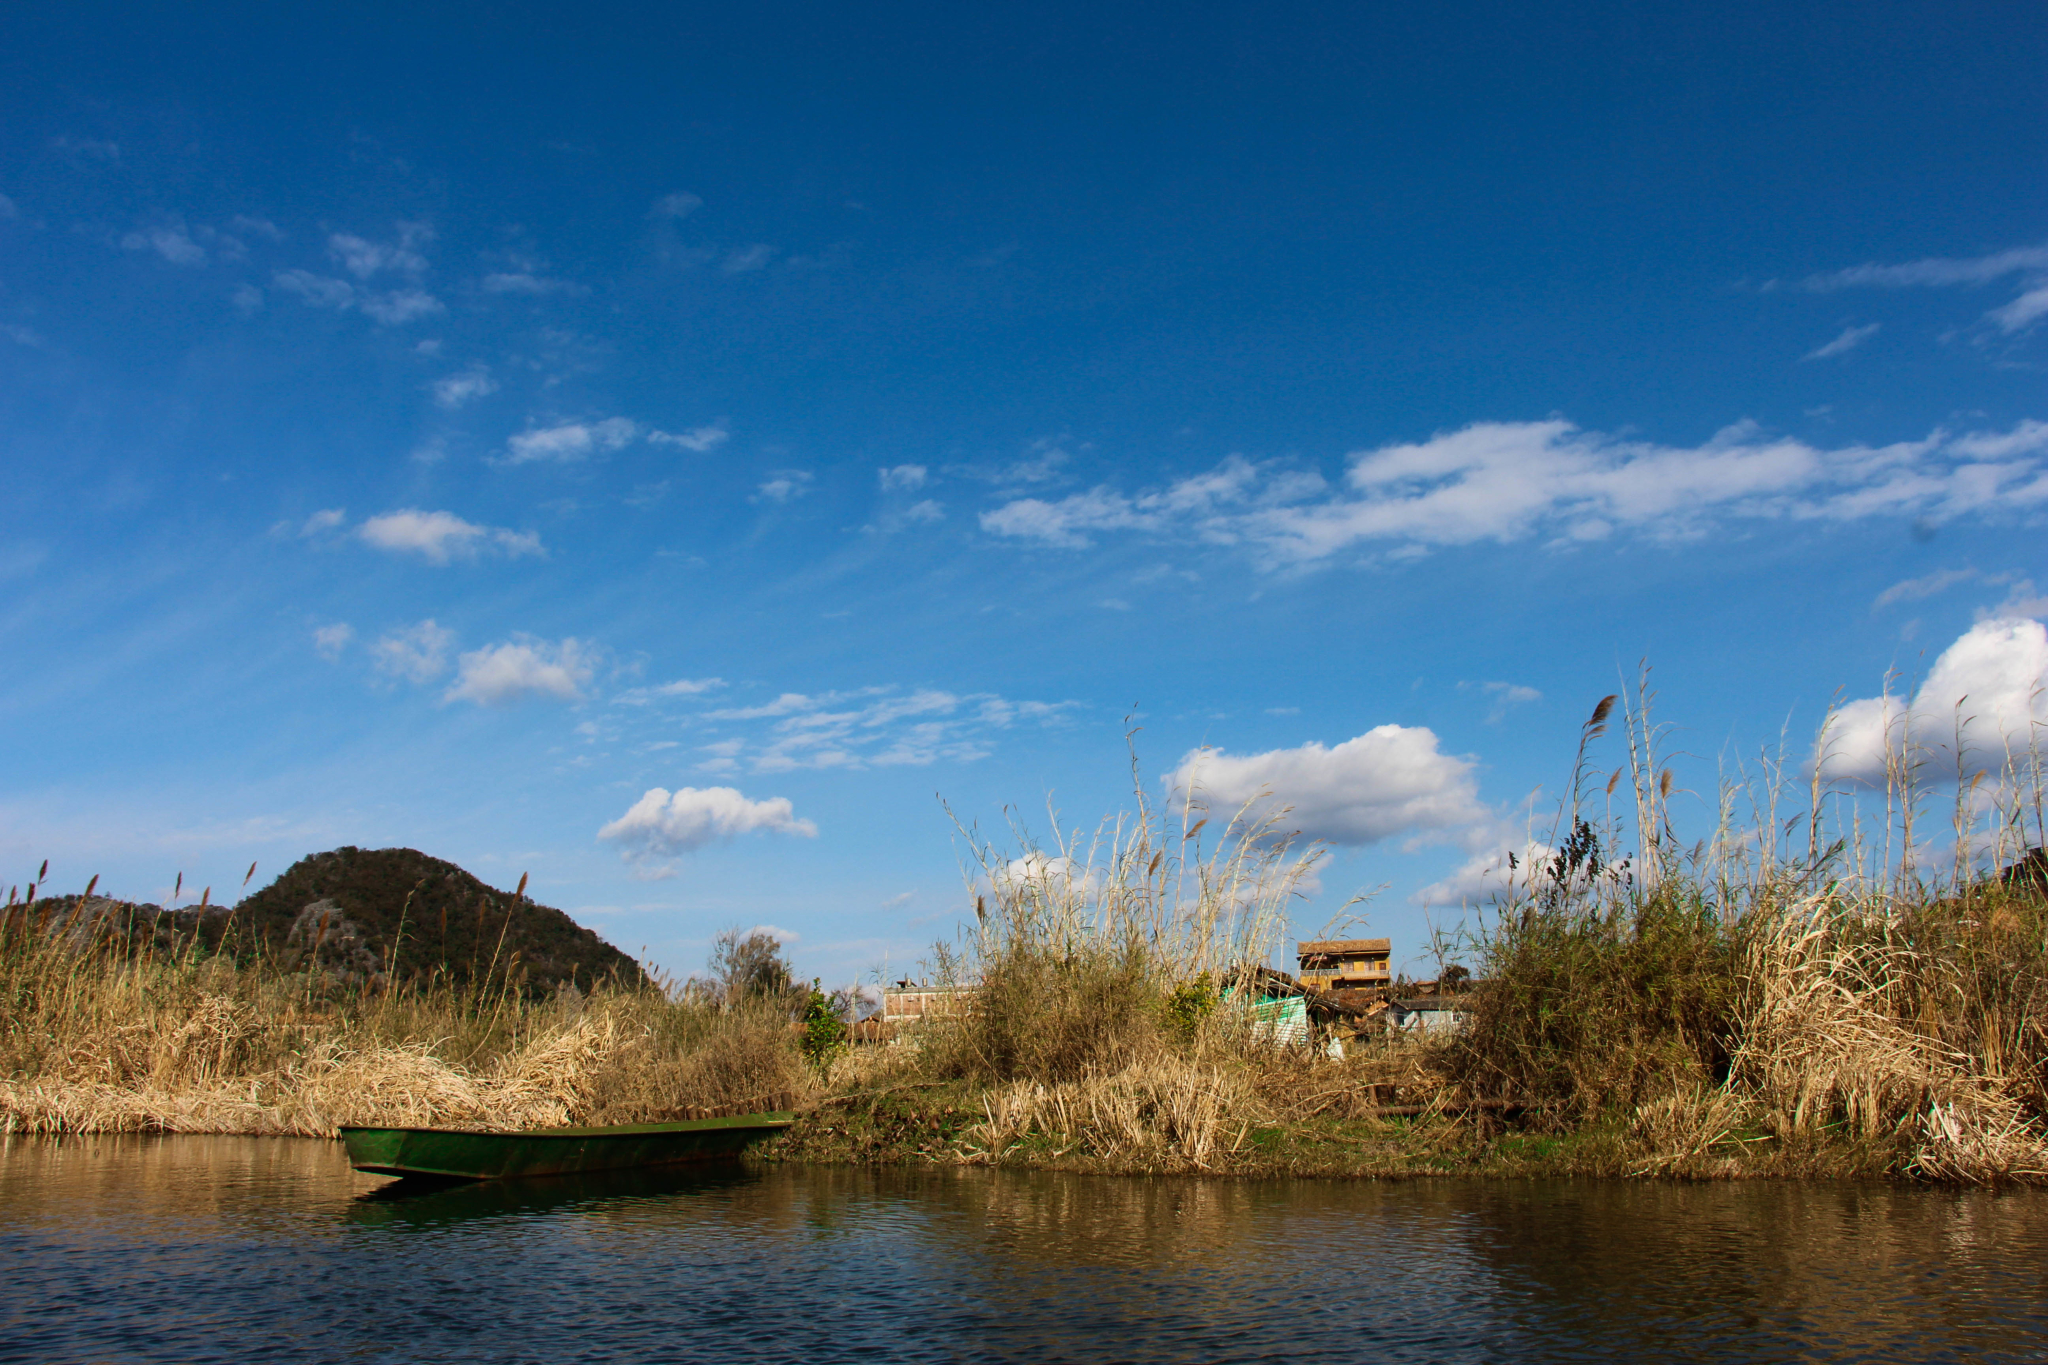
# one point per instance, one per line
(1339, 947)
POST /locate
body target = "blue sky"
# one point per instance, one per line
(452, 426)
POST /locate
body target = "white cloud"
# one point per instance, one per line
(1502, 696)
(400, 306)
(500, 674)
(679, 205)
(1390, 782)
(1991, 685)
(417, 653)
(1918, 589)
(907, 477)
(325, 291)
(786, 485)
(452, 391)
(1487, 876)
(570, 441)
(1849, 340)
(699, 439)
(1936, 270)
(330, 641)
(1509, 481)
(523, 282)
(171, 243)
(322, 291)
(875, 727)
(687, 687)
(747, 258)
(2021, 313)
(439, 537)
(20, 335)
(326, 519)
(248, 300)
(2021, 600)
(1066, 522)
(663, 824)
(256, 227)
(365, 259)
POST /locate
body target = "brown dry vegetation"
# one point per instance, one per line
(108, 1037)
(1738, 1007)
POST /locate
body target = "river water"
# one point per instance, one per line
(245, 1249)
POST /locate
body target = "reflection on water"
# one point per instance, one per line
(204, 1249)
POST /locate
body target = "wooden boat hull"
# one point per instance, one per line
(459, 1154)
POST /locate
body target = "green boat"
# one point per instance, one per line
(463, 1154)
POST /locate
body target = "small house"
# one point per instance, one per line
(1338, 964)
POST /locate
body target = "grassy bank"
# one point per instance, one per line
(1781, 997)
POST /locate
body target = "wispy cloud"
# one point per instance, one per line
(523, 282)
(567, 442)
(366, 259)
(746, 258)
(417, 653)
(331, 640)
(394, 308)
(681, 204)
(1511, 481)
(784, 486)
(2028, 262)
(172, 243)
(1918, 589)
(1501, 696)
(699, 439)
(903, 477)
(440, 537)
(872, 727)
(453, 391)
(1849, 340)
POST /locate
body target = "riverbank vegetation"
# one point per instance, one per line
(1797, 992)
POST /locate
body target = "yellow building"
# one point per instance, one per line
(1336, 964)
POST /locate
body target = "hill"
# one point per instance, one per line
(348, 907)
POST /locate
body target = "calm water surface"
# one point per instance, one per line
(233, 1249)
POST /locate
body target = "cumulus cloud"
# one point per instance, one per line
(498, 675)
(568, 441)
(905, 477)
(1510, 481)
(1849, 340)
(663, 824)
(439, 537)
(1390, 782)
(330, 641)
(1988, 690)
(417, 653)
(452, 391)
